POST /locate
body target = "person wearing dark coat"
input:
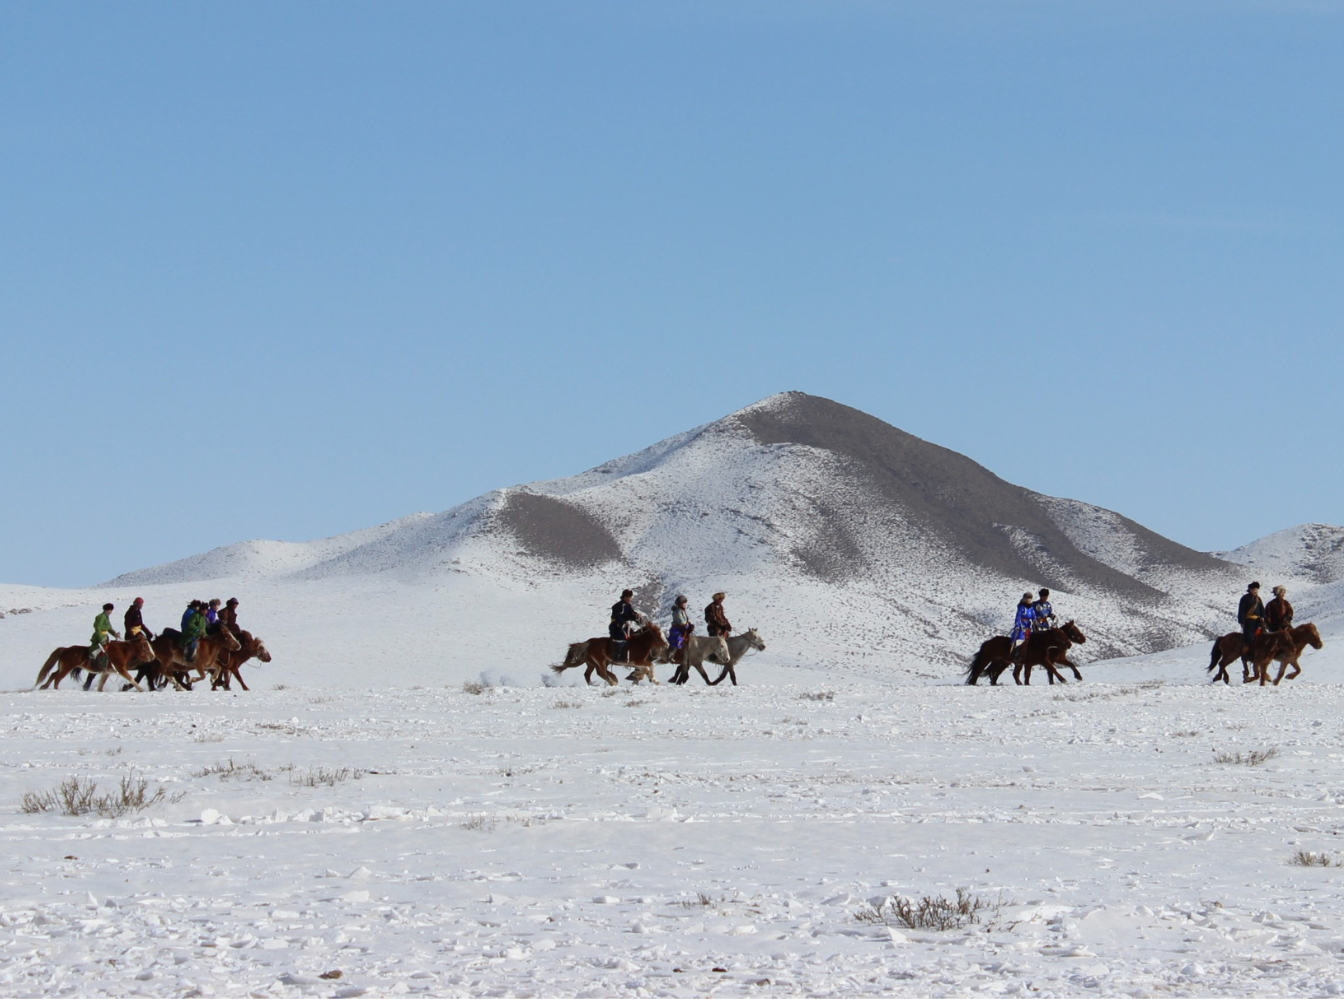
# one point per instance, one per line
(229, 616)
(1251, 612)
(135, 623)
(1278, 612)
(1042, 614)
(623, 615)
(716, 618)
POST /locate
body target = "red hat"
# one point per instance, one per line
(139, 600)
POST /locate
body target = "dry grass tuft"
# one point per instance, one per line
(246, 771)
(566, 703)
(474, 687)
(315, 776)
(80, 797)
(1314, 859)
(933, 913)
(1253, 758)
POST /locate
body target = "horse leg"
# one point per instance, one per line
(1283, 669)
(239, 676)
(722, 674)
(700, 667)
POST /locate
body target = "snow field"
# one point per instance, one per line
(632, 841)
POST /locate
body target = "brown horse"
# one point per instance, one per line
(1045, 648)
(252, 647)
(1296, 639)
(641, 650)
(210, 649)
(121, 656)
(1231, 647)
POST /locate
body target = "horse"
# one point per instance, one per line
(696, 651)
(172, 658)
(121, 655)
(252, 646)
(1044, 648)
(642, 648)
(1229, 648)
(1297, 639)
(737, 648)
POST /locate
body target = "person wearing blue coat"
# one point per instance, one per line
(1026, 617)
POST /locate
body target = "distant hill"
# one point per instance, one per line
(854, 542)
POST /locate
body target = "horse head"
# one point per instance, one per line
(1071, 630)
(141, 648)
(230, 640)
(722, 653)
(260, 651)
(1311, 635)
(754, 640)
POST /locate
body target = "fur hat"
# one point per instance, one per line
(627, 593)
(1255, 585)
(1280, 590)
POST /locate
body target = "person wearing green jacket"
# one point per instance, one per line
(102, 628)
(191, 635)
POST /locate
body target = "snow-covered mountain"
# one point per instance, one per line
(845, 541)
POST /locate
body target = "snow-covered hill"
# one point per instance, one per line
(847, 542)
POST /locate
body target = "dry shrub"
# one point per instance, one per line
(246, 771)
(1314, 859)
(1253, 758)
(80, 797)
(566, 703)
(933, 913)
(474, 687)
(315, 776)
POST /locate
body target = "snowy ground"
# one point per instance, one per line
(679, 842)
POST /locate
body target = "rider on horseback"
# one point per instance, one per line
(623, 616)
(1278, 612)
(1022, 625)
(682, 626)
(1042, 612)
(194, 629)
(102, 628)
(135, 623)
(1251, 613)
(715, 617)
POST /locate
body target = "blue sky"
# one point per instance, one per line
(285, 270)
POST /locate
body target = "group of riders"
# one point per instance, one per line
(1033, 615)
(625, 619)
(201, 618)
(1255, 617)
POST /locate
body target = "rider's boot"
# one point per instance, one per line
(618, 651)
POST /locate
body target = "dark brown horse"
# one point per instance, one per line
(1045, 648)
(121, 656)
(229, 664)
(1229, 648)
(641, 650)
(1297, 639)
(210, 650)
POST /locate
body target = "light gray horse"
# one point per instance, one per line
(737, 648)
(697, 650)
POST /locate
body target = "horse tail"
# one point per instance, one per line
(1215, 656)
(978, 664)
(574, 658)
(46, 667)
